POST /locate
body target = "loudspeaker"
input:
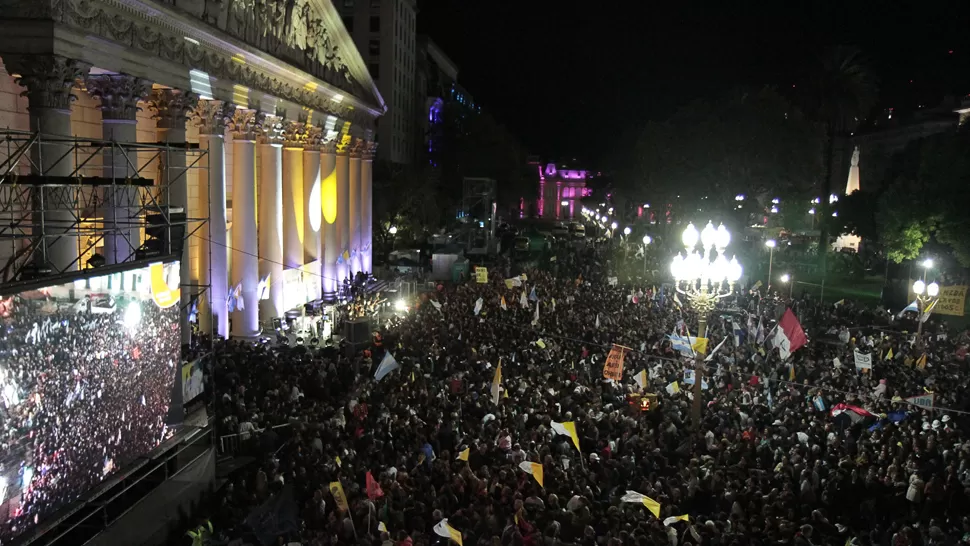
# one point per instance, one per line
(357, 331)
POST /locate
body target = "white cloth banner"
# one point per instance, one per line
(862, 362)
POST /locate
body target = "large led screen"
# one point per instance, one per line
(87, 371)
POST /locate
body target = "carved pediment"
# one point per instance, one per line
(294, 31)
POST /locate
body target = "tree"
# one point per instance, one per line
(748, 142)
(842, 90)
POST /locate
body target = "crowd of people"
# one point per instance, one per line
(805, 451)
(82, 395)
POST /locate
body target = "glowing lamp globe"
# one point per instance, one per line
(919, 287)
(723, 237)
(690, 236)
(734, 271)
(709, 235)
(933, 290)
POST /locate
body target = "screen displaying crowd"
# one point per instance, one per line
(85, 388)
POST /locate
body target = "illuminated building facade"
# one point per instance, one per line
(560, 191)
(275, 94)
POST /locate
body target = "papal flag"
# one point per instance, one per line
(567, 429)
(674, 519)
(502, 304)
(640, 498)
(926, 312)
(442, 529)
(921, 362)
(381, 527)
(523, 300)
(641, 379)
(889, 354)
(497, 383)
(463, 456)
(532, 468)
(673, 388)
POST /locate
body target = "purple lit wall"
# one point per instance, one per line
(557, 186)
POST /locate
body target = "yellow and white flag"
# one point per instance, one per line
(502, 304)
(442, 529)
(674, 519)
(641, 379)
(463, 456)
(381, 527)
(921, 362)
(533, 468)
(673, 388)
(497, 383)
(889, 354)
(640, 498)
(523, 300)
(567, 429)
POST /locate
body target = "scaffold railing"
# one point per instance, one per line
(79, 192)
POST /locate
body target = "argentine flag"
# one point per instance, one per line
(681, 344)
(739, 333)
(914, 307)
(388, 365)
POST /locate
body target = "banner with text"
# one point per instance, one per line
(613, 369)
(951, 302)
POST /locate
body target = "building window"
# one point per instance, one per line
(375, 70)
(375, 23)
(374, 47)
(349, 23)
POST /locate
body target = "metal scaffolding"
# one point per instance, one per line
(478, 205)
(78, 181)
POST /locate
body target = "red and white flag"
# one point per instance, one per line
(789, 335)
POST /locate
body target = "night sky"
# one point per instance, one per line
(573, 80)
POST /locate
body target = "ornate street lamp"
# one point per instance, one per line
(925, 295)
(646, 241)
(704, 276)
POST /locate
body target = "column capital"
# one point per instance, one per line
(47, 79)
(314, 138)
(357, 147)
(370, 150)
(296, 134)
(269, 128)
(119, 94)
(329, 146)
(343, 144)
(172, 107)
(242, 124)
(211, 116)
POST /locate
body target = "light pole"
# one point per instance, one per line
(771, 244)
(704, 276)
(612, 229)
(786, 279)
(932, 291)
(393, 232)
(646, 241)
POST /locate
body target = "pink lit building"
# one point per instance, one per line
(560, 191)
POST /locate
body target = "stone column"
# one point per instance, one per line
(356, 150)
(211, 116)
(312, 209)
(328, 203)
(343, 208)
(271, 216)
(294, 204)
(367, 207)
(119, 95)
(171, 108)
(244, 274)
(48, 80)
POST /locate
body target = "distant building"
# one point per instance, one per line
(561, 189)
(436, 76)
(384, 32)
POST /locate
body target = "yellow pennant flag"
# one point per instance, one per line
(652, 505)
(463, 456)
(444, 530)
(412, 376)
(337, 460)
(699, 345)
(505, 393)
(674, 519)
(533, 468)
(889, 355)
(541, 344)
(921, 362)
(567, 429)
(337, 490)
(381, 527)
(502, 303)
(791, 371)
(497, 383)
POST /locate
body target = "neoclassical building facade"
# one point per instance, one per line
(274, 95)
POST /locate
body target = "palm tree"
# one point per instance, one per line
(842, 91)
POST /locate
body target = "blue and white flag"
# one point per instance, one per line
(689, 379)
(739, 333)
(819, 402)
(914, 307)
(388, 365)
(682, 344)
(532, 295)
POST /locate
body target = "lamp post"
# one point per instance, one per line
(771, 244)
(393, 232)
(704, 277)
(646, 241)
(932, 291)
(786, 279)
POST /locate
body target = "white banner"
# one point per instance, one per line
(924, 401)
(862, 362)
